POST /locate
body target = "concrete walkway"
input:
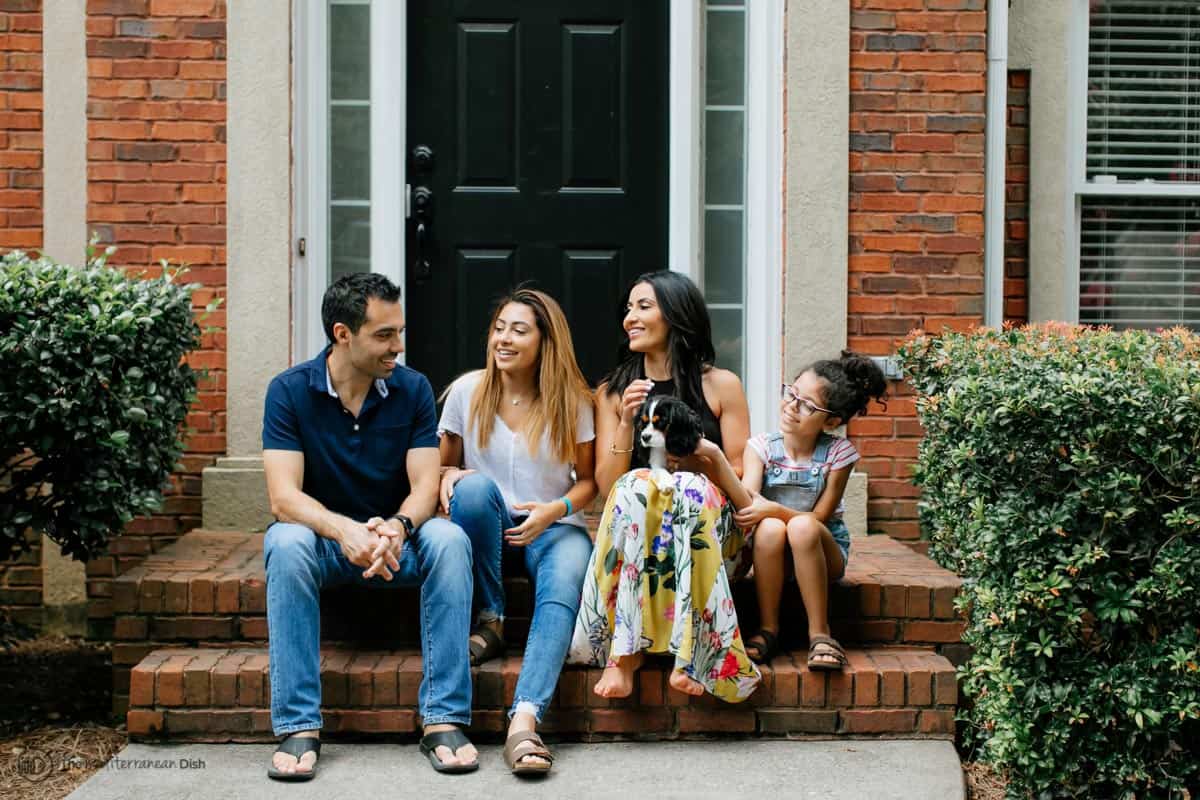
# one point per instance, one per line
(764, 770)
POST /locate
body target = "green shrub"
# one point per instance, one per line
(93, 391)
(1060, 476)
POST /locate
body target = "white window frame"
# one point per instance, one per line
(764, 211)
(1078, 186)
(311, 146)
(764, 165)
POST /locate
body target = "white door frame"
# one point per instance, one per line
(763, 300)
(764, 164)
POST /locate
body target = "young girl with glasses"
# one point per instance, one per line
(797, 476)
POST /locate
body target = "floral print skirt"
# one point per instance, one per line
(658, 581)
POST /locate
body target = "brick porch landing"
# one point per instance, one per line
(223, 694)
(192, 620)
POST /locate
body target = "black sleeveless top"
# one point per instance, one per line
(708, 422)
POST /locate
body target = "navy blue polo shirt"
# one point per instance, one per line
(352, 466)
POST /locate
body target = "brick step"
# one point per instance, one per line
(223, 694)
(210, 587)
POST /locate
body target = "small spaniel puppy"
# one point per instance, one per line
(668, 425)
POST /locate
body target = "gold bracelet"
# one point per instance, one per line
(612, 448)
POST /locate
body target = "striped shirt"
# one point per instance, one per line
(841, 453)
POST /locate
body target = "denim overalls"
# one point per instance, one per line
(799, 489)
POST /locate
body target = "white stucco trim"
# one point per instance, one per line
(64, 116)
(817, 182)
(1040, 39)
(259, 248)
(64, 223)
(259, 207)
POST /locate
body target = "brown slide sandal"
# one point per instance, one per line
(522, 744)
(493, 645)
(833, 654)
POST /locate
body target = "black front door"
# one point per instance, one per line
(537, 139)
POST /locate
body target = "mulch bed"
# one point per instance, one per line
(53, 679)
(51, 762)
(982, 782)
(55, 706)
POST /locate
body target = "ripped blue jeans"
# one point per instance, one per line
(556, 560)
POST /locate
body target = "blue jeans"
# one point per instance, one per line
(300, 563)
(557, 560)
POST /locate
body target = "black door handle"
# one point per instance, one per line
(422, 269)
(422, 203)
(422, 158)
(423, 212)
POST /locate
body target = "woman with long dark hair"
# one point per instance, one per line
(657, 581)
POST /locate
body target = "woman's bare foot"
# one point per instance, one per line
(617, 680)
(681, 682)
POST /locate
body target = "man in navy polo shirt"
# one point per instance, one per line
(351, 455)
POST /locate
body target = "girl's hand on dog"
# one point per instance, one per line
(758, 510)
(541, 515)
(450, 476)
(631, 401)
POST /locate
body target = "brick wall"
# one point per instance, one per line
(21, 222)
(156, 190)
(1016, 206)
(20, 124)
(21, 586)
(917, 118)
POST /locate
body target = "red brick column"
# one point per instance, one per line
(156, 190)
(917, 117)
(21, 223)
(20, 124)
(1016, 210)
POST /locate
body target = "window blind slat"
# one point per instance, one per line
(1144, 90)
(1139, 262)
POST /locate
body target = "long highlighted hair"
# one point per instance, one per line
(560, 388)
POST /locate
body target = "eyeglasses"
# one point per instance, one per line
(804, 406)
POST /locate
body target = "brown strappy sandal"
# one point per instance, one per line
(762, 645)
(492, 647)
(527, 743)
(838, 655)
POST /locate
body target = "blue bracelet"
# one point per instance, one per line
(567, 502)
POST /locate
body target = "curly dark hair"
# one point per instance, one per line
(345, 300)
(851, 382)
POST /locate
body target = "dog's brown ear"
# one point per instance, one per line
(683, 429)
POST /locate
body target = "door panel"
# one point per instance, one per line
(486, 89)
(593, 68)
(548, 126)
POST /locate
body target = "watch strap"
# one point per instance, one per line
(409, 529)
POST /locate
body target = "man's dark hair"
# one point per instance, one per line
(345, 301)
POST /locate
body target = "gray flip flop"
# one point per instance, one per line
(296, 746)
(453, 739)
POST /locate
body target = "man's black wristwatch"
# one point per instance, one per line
(409, 530)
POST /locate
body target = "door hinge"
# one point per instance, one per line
(301, 245)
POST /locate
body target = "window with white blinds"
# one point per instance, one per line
(1139, 214)
(1144, 90)
(1139, 261)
